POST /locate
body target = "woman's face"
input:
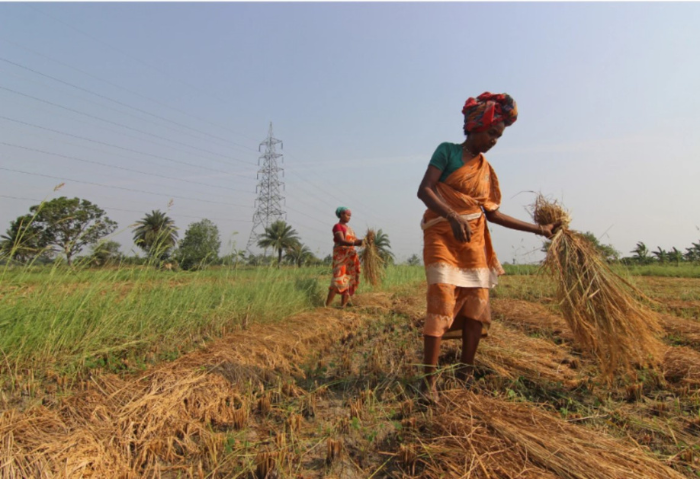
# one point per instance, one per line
(345, 216)
(481, 142)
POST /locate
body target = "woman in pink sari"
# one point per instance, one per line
(346, 264)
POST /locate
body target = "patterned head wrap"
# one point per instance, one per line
(339, 211)
(488, 109)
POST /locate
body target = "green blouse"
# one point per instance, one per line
(447, 158)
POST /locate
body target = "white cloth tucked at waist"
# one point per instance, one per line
(467, 217)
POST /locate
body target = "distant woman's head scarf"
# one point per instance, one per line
(489, 109)
(339, 211)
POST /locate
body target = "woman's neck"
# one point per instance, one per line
(469, 149)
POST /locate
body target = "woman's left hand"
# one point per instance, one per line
(358, 242)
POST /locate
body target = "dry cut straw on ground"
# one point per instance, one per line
(164, 423)
(477, 436)
(321, 395)
(372, 262)
(603, 310)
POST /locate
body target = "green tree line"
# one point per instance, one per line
(63, 228)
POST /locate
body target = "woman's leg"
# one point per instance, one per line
(431, 352)
(331, 296)
(345, 299)
(471, 335)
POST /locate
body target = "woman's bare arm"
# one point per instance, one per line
(340, 240)
(504, 220)
(428, 194)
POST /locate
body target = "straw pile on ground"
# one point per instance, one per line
(477, 436)
(372, 262)
(682, 366)
(510, 354)
(602, 309)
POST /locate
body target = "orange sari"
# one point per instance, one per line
(346, 266)
(460, 274)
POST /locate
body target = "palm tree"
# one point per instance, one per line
(676, 256)
(156, 234)
(298, 254)
(413, 260)
(641, 253)
(280, 237)
(381, 241)
(660, 254)
(692, 254)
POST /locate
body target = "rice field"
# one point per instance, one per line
(136, 373)
(70, 321)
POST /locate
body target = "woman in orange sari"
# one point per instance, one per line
(346, 264)
(461, 192)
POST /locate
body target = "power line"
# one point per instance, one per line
(135, 211)
(85, 34)
(91, 116)
(121, 147)
(130, 91)
(336, 188)
(121, 125)
(121, 188)
(307, 215)
(122, 168)
(361, 211)
(120, 132)
(130, 56)
(308, 227)
(26, 68)
(143, 63)
(127, 169)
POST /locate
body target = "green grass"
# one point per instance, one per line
(684, 270)
(69, 321)
(396, 277)
(521, 269)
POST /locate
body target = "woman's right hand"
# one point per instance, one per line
(460, 228)
(358, 242)
(549, 230)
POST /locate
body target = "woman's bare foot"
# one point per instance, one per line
(465, 374)
(429, 394)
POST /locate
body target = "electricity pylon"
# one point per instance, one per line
(268, 204)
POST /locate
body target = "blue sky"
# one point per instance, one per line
(361, 94)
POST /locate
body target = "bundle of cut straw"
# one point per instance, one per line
(372, 262)
(602, 309)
